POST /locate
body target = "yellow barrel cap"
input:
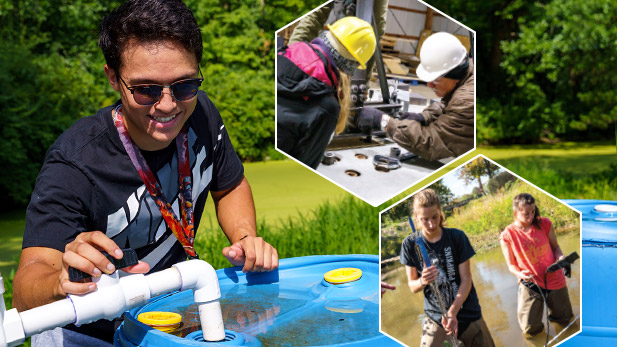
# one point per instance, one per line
(163, 321)
(343, 275)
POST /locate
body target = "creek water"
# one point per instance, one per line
(402, 311)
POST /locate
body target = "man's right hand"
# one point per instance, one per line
(42, 276)
(84, 254)
(429, 274)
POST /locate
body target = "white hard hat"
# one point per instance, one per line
(440, 53)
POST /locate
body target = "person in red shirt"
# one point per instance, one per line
(530, 246)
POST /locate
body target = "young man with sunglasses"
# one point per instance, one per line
(136, 174)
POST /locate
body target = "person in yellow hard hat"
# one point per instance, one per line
(313, 87)
(310, 25)
(445, 128)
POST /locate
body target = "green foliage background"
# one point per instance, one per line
(545, 68)
(51, 74)
(545, 72)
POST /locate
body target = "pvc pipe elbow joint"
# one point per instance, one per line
(200, 276)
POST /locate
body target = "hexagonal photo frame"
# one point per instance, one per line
(398, 124)
(486, 240)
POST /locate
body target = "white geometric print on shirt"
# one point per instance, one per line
(140, 216)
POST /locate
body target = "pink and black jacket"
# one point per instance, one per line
(307, 104)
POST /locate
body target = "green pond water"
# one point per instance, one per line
(402, 311)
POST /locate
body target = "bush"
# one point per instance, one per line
(488, 216)
(499, 181)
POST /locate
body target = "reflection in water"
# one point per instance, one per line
(402, 311)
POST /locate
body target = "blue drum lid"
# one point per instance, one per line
(599, 220)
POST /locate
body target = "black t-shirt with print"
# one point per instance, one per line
(450, 251)
(88, 182)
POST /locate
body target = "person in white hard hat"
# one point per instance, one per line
(445, 128)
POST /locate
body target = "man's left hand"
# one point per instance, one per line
(253, 253)
(450, 324)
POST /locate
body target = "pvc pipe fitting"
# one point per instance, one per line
(202, 277)
(116, 294)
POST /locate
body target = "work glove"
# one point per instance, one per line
(369, 118)
(412, 116)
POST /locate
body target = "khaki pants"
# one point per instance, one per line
(531, 308)
(476, 335)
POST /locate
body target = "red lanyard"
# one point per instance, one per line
(184, 231)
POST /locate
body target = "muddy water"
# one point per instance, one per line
(402, 311)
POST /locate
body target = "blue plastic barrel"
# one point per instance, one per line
(599, 272)
(293, 306)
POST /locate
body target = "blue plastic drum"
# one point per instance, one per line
(294, 306)
(599, 271)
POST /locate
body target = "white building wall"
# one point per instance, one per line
(412, 24)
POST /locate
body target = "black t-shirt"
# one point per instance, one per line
(451, 250)
(88, 182)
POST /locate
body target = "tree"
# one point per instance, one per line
(444, 192)
(562, 60)
(499, 181)
(475, 169)
(543, 67)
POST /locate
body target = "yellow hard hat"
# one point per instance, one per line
(357, 36)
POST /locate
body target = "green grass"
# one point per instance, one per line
(350, 226)
(578, 159)
(282, 189)
(568, 170)
(12, 230)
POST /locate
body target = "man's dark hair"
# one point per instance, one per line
(149, 21)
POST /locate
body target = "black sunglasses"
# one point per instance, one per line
(150, 94)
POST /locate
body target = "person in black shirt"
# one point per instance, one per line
(449, 251)
(136, 174)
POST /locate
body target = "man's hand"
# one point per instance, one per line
(412, 116)
(450, 324)
(253, 253)
(84, 254)
(386, 286)
(429, 274)
(369, 118)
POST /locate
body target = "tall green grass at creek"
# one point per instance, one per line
(485, 218)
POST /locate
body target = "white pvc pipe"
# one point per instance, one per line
(115, 295)
(39, 319)
(202, 277)
(211, 319)
(164, 281)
